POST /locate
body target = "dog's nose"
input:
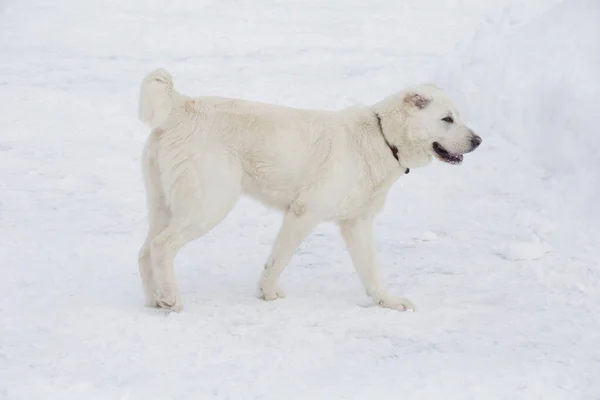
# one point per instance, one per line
(476, 141)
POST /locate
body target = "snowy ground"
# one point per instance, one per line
(506, 286)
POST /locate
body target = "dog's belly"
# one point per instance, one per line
(328, 186)
(333, 201)
(269, 196)
(287, 178)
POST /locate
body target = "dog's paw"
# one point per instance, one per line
(151, 302)
(396, 303)
(271, 293)
(169, 301)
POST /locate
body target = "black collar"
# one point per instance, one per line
(393, 148)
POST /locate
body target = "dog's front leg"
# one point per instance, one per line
(358, 235)
(295, 228)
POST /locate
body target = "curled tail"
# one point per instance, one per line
(156, 97)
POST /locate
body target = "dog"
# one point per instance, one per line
(203, 153)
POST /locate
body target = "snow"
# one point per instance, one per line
(524, 250)
(72, 216)
(428, 236)
(537, 87)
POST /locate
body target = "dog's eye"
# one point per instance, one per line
(448, 119)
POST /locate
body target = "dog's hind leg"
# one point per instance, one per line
(200, 200)
(293, 231)
(158, 216)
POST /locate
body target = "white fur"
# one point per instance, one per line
(314, 166)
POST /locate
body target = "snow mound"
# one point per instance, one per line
(537, 86)
(538, 226)
(523, 250)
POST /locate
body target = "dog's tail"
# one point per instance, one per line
(157, 97)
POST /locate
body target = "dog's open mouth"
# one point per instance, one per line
(445, 155)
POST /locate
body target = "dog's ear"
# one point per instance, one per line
(416, 100)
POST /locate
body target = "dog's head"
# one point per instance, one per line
(422, 122)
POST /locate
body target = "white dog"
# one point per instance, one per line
(204, 152)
